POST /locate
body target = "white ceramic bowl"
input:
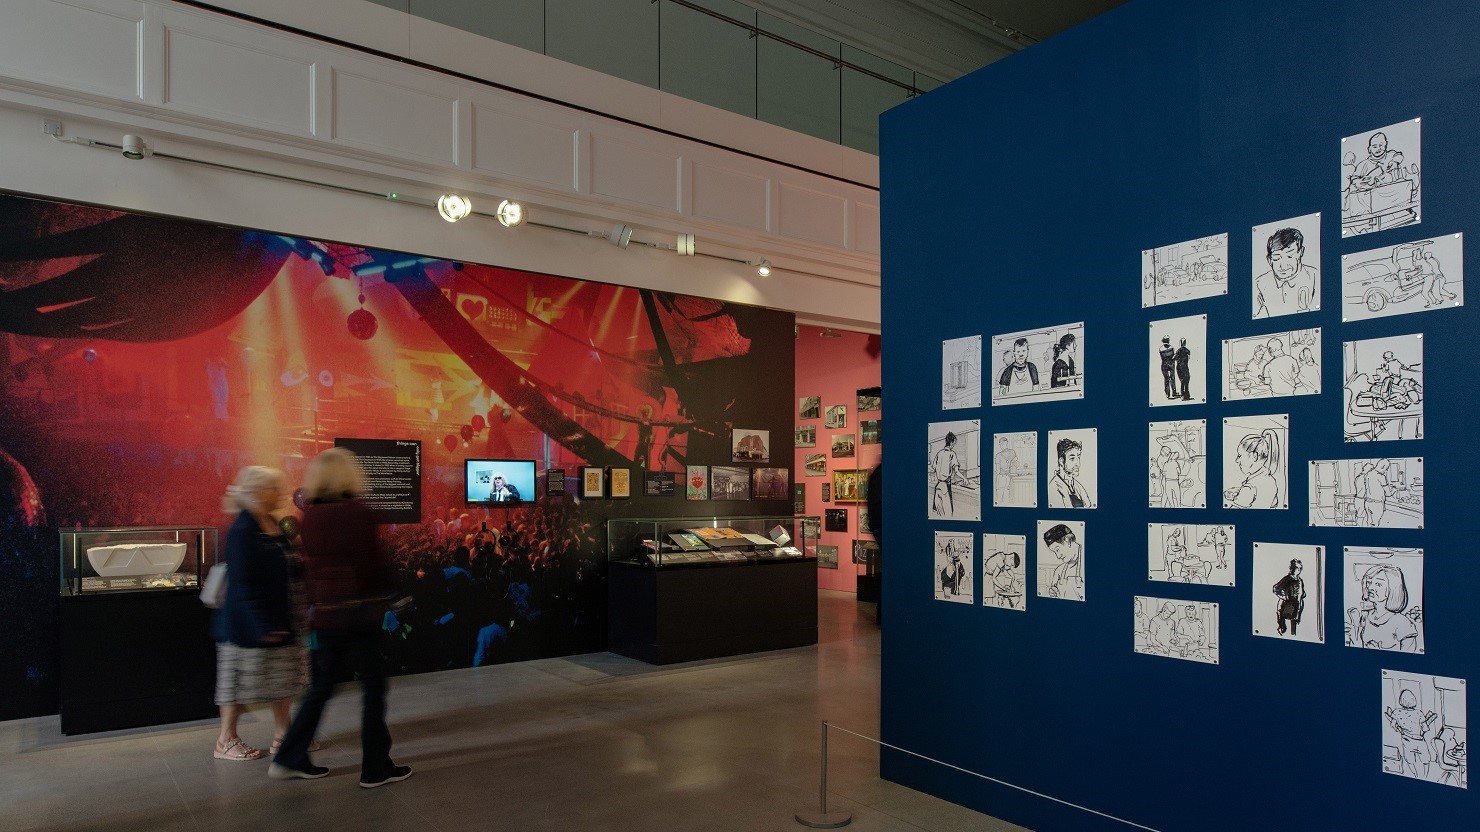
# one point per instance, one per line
(126, 560)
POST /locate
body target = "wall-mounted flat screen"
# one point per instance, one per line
(507, 481)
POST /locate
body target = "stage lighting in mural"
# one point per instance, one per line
(452, 207)
(509, 213)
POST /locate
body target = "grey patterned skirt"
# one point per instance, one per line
(259, 674)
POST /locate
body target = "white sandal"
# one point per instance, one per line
(237, 751)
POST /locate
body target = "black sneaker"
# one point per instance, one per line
(278, 771)
(394, 774)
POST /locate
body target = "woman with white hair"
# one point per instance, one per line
(350, 580)
(257, 657)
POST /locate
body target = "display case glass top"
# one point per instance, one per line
(697, 541)
(135, 559)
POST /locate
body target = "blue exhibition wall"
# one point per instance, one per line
(1022, 197)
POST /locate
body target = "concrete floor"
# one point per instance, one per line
(584, 742)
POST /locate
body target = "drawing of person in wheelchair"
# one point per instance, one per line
(1380, 191)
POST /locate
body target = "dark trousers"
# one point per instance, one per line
(360, 652)
(1168, 382)
(1184, 375)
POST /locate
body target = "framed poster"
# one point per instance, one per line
(750, 445)
(729, 483)
(842, 445)
(837, 416)
(620, 483)
(870, 399)
(697, 482)
(835, 520)
(806, 436)
(593, 481)
(850, 485)
(869, 431)
(810, 407)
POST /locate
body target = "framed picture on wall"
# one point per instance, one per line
(697, 482)
(806, 436)
(816, 465)
(810, 407)
(750, 445)
(620, 483)
(842, 445)
(837, 416)
(835, 520)
(593, 481)
(869, 399)
(868, 430)
(729, 483)
(769, 483)
(827, 557)
(850, 485)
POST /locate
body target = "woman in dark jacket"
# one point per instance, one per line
(257, 657)
(349, 579)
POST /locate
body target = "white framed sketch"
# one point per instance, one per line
(1179, 463)
(1422, 276)
(1073, 462)
(1272, 365)
(1383, 398)
(1425, 727)
(1061, 559)
(1367, 493)
(1256, 462)
(1185, 271)
(1381, 179)
(961, 372)
(1038, 365)
(954, 470)
(1178, 361)
(1287, 267)
(955, 567)
(1004, 571)
(1190, 553)
(1176, 628)
(1383, 598)
(1015, 470)
(1289, 597)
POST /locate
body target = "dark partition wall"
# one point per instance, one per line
(144, 360)
(1198, 685)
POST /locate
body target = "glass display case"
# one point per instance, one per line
(693, 541)
(135, 559)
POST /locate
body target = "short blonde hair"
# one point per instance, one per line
(333, 474)
(245, 493)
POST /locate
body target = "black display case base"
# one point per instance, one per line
(684, 614)
(131, 659)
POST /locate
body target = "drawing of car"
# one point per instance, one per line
(1392, 279)
(1209, 267)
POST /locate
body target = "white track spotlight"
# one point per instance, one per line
(685, 245)
(453, 207)
(620, 235)
(134, 147)
(510, 213)
(762, 267)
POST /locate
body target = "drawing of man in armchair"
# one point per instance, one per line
(1380, 192)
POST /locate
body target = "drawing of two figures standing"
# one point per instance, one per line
(1176, 376)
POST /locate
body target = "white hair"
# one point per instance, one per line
(245, 494)
(334, 474)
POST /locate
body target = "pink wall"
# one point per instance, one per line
(835, 369)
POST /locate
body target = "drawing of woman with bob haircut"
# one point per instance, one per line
(1258, 458)
(1379, 620)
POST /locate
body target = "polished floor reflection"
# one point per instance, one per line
(585, 742)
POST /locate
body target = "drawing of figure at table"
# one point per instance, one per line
(1000, 570)
(1191, 637)
(1063, 369)
(1381, 190)
(1161, 633)
(1382, 405)
(1184, 565)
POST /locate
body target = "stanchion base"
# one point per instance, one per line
(824, 820)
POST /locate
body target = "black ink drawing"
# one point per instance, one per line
(806, 436)
(1015, 470)
(1425, 731)
(1073, 463)
(842, 445)
(1380, 179)
(815, 465)
(1004, 571)
(1185, 271)
(1038, 365)
(1290, 592)
(961, 373)
(837, 416)
(1367, 493)
(954, 460)
(1188, 553)
(1273, 365)
(1384, 599)
(1179, 463)
(1178, 629)
(1384, 388)
(810, 407)
(1256, 458)
(1410, 277)
(955, 567)
(1287, 262)
(1061, 559)
(1177, 358)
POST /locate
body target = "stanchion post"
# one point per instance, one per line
(826, 820)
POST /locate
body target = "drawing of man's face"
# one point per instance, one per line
(1065, 548)
(1191, 613)
(1019, 355)
(1286, 261)
(1377, 146)
(1167, 610)
(1070, 461)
